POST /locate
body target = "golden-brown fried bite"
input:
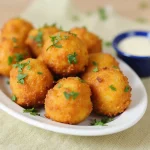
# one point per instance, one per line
(93, 43)
(29, 81)
(37, 37)
(111, 92)
(16, 28)
(65, 54)
(40, 57)
(98, 61)
(69, 101)
(11, 53)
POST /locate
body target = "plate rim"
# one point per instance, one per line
(72, 131)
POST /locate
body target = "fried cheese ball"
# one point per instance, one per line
(69, 101)
(29, 81)
(11, 53)
(93, 42)
(16, 28)
(65, 54)
(111, 91)
(37, 37)
(98, 61)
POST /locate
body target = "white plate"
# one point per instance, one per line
(127, 119)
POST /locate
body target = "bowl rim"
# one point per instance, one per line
(117, 39)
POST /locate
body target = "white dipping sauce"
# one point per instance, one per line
(136, 45)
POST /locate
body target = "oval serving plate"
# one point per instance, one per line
(124, 121)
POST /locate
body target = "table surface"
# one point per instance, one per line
(17, 135)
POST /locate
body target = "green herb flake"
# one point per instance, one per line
(10, 60)
(14, 98)
(58, 46)
(21, 66)
(19, 57)
(39, 38)
(21, 78)
(39, 73)
(32, 111)
(115, 67)
(95, 63)
(81, 80)
(67, 95)
(72, 58)
(28, 67)
(96, 66)
(127, 89)
(53, 25)
(102, 14)
(101, 122)
(14, 39)
(74, 95)
(59, 86)
(112, 88)
(108, 43)
(95, 69)
(72, 34)
(45, 25)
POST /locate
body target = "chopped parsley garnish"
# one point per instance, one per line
(45, 25)
(39, 72)
(21, 77)
(115, 67)
(127, 89)
(112, 88)
(10, 60)
(96, 66)
(21, 66)
(32, 111)
(59, 85)
(75, 18)
(58, 46)
(39, 38)
(14, 39)
(81, 80)
(14, 98)
(108, 44)
(19, 57)
(95, 69)
(72, 34)
(72, 58)
(101, 122)
(15, 42)
(28, 67)
(71, 95)
(56, 39)
(53, 25)
(102, 14)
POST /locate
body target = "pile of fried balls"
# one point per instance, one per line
(66, 71)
